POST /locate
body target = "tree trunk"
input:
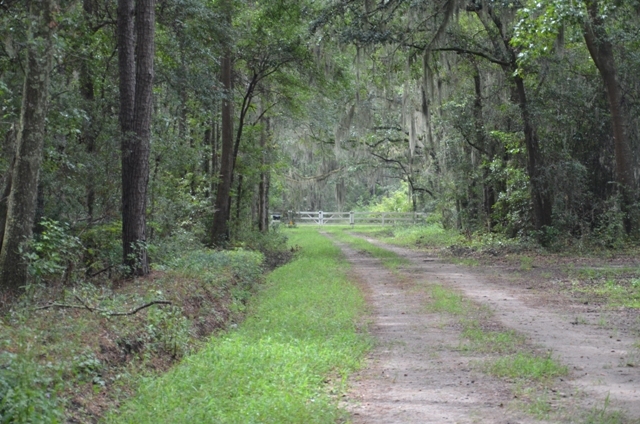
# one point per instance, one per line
(215, 141)
(9, 152)
(265, 177)
(89, 131)
(239, 194)
(220, 233)
(601, 51)
(540, 197)
(135, 54)
(21, 204)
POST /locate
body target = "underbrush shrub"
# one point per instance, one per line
(103, 248)
(272, 244)
(164, 250)
(53, 254)
(609, 231)
(81, 350)
(28, 391)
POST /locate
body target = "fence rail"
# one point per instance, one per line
(352, 218)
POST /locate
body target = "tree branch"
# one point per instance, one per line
(473, 53)
(89, 308)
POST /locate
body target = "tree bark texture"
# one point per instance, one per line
(265, 179)
(601, 51)
(89, 130)
(9, 152)
(540, 196)
(21, 204)
(136, 53)
(222, 208)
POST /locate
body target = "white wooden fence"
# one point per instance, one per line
(352, 218)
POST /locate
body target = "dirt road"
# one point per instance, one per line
(417, 372)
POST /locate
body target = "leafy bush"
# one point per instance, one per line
(273, 245)
(53, 253)
(164, 250)
(609, 232)
(27, 394)
(103, 244)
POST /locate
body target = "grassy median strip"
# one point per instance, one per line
(284, 364)
(389, 259)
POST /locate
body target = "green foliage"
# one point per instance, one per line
(53, 253)
(397, 201)
(166, 249)
(512, 208)
(301, 331)
(169, 330)
(70, 345)
(103, 244)
(27, 391)
(539, 24)
(609, 232)
(213, 267)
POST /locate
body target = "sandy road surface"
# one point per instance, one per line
(416, 373)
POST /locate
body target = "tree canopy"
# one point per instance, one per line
(513, 117)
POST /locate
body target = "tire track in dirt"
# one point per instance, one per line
(415, 373)
(602, 363)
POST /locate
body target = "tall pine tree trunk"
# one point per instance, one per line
(135, 55)
(222, 207)
(21, 204)
(265, 178)
(89, 130)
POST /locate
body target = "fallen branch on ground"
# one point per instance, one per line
(84, 305)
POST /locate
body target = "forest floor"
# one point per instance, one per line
(426, 367)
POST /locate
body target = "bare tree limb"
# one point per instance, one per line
(84, 305)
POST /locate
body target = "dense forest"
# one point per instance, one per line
(134, 129)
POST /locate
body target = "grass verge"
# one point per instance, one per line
(68, 353)
(297, 346)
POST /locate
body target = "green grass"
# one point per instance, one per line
(526, 366)
(445, 300)
(389, 259)
(475, 337)
(481, 340)
(617, 286)
(429, 235)
(298, 343)
(603, 416)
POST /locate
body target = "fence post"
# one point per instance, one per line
(320, 218)
(352, 218)
(383, 219)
